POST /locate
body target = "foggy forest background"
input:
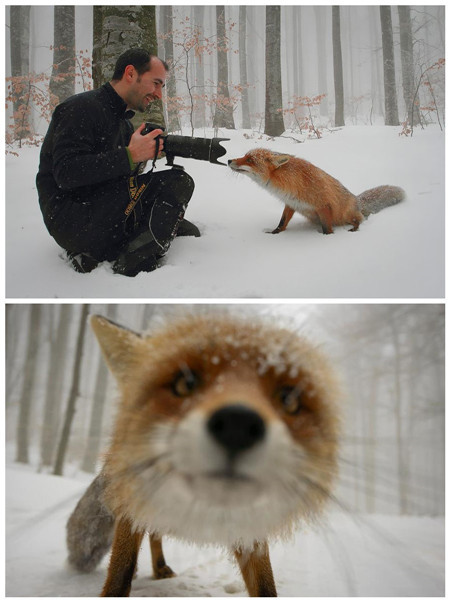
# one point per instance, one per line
(273, 70)
(60, 399)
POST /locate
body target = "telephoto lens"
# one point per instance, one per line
(203, 149)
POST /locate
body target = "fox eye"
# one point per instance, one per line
(185, 383)
(290, 398)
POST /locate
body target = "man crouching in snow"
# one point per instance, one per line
(94, 203)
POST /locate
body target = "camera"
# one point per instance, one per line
(203, 149)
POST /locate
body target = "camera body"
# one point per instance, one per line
(203, 149)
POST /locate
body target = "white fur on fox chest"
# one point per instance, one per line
(179, 495)
(287, 198)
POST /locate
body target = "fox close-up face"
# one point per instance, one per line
(226, 432)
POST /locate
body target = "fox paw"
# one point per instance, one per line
(164, 572)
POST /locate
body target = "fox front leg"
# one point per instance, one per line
(257, 571)
(122, 565)
(160, 569)
(285, 219)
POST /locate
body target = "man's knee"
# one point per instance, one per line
(176, 181)
(182, 183)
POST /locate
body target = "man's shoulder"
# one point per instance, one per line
(85, 99)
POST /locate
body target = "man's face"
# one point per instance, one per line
(146, 87)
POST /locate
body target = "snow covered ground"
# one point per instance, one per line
(350, 556)
(398, 253)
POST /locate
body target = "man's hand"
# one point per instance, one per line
(143, 148)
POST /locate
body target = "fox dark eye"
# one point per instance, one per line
(185, 383)
(290, 398)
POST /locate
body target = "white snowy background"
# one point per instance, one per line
(398, 253)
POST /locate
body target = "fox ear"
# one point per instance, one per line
(280, 160)
(121, 348)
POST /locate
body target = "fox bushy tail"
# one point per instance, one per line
(376, 199)
(90, 528)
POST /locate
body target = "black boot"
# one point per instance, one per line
(187, 228)
(142, 254)
(82, 262)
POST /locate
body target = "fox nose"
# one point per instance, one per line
(236, 428)
(230, 161)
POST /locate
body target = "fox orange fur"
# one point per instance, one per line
(226, 434)
(309, 190)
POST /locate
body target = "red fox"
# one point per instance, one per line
(305, 188)
(226, 434)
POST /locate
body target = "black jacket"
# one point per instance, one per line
(84, 150)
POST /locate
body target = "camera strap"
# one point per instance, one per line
(158, 144)
(135, 192)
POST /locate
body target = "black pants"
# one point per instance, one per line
(104, 225)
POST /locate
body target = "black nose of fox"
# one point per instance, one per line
(236, 428)
(229, 161)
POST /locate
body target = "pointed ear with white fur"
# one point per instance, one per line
(121, 348)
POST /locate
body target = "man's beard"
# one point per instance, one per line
(139, 104)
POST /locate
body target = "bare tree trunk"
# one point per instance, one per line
(29, 374)
(171, 84)
(200, 112)
(223, 116)
(349, 43)
(73, 394)
(97, 75)
(253, 96)
(62, 81)
(377, 104)
(321, 16)
(274, 123)
(147, 313)
(55, 380)
(402, 467)
(390, 90)
(299, 85)
(338, 71)
(92, 450)
(20, 67)
(160, 16)
(11, 340)
(246, 125)
(371, 444)
(406, 53)
(20, 40)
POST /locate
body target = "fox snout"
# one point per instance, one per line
(239, 164)
(236, 428)
(226, 437)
